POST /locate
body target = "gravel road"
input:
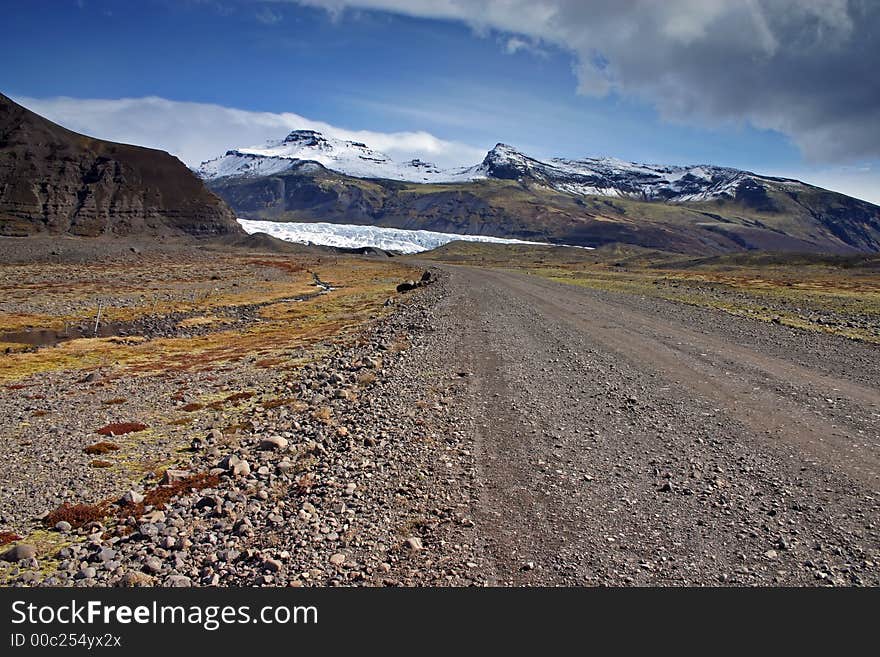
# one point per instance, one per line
(503, 429)
(627, 440)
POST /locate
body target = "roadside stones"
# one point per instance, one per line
(133, 578)
(178, 581)
(272, 565)
(153, 565)
(174, 476)
(89, 572)
(19, 552)
(132, 497)
(236, 465)
(274, 443)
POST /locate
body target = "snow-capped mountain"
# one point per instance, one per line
(612, 177)
(589, 176)
(349, 157)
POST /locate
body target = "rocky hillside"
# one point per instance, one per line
(589, 202)
(57, 181)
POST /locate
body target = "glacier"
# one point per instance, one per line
(356, 236)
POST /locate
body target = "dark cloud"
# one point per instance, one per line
(806, 68)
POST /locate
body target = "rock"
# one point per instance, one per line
(92, 377)
(666, 488)
(414, 543)
(132, 497)
(241, 469)
(63, 526)
(153, 517)
(337, 559)
(89, 572)
(153, 565)
(274, 443)
(272, 565)
(771, 554)
(135, 578)
(178, 581)
(174, 476)
(19, 552)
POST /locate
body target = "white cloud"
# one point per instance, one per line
(805, 68)
(195, 132)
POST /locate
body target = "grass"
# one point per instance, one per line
(121, 428)
(102, 447)
(78, 514)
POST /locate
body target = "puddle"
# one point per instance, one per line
(50, 337)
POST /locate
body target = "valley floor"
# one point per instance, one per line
(496, 427)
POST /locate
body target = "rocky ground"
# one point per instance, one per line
(363, 476)
(500, 428)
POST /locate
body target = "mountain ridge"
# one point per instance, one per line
(588, 202)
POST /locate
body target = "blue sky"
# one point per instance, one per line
(468, 85)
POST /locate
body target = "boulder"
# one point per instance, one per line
(19, 552)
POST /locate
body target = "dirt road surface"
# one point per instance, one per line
(627, 440)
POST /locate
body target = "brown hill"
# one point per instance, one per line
(53, 180)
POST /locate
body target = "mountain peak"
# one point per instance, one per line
(305, 138)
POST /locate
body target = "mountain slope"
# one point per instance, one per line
(58, 181)
(589, 202)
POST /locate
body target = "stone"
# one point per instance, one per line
(152, 518)
(771, 554)
(272, 565)
(19, 552)
(132, 497)
(63, 526)
(153, 565)
(274, 443)
(174, 476)
(89, 572)
(178, 581)
(241, 469)
(414, 543)
(337, 559)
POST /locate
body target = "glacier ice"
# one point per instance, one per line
(354, 236)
